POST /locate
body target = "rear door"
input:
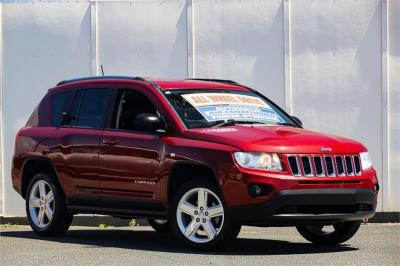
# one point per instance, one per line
(76, 146)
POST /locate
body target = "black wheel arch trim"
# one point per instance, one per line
(193, 163)
(36, 158)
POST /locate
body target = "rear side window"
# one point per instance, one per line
(59, 102)
(34, 118)
(92, 108)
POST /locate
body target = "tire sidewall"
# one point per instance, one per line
(59, 206)
(346, 231)
(226, 226)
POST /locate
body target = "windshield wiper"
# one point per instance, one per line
(222, 123)
(232, 122)
(287, 124)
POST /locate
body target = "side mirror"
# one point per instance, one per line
(149, 122)
(66, 118)
(298, 121)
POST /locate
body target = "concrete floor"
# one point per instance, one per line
(374, 244)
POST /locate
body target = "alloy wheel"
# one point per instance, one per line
(41, 204)
(200, 215)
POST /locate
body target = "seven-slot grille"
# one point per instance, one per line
(324, 165)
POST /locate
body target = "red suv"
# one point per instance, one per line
(197, 157)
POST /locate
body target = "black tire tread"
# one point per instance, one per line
(343, 233)
(62, 218)
(160, 228)
(229, 231)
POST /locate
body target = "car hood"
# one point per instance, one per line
(281, 139)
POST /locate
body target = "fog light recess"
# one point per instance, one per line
(259, 190)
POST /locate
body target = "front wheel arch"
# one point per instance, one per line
(179, 176)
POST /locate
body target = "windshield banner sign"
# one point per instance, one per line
(225, 106)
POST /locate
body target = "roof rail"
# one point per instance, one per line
(217, 80)
(99, 77)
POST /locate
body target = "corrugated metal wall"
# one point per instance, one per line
(332, 62)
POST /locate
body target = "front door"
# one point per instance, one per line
(130, 161)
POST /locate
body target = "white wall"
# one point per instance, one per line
(336, 69)
(332, 63)
(391, 195)
(43, 43)
(241, 41)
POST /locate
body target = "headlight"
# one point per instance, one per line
(366, 162)
(258, 160)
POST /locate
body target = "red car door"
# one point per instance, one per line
(75, 149)
(130, 161)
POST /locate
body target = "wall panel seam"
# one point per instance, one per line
(385, 103)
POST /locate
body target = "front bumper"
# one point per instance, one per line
(305, 206)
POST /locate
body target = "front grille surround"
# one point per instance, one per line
(320, 165)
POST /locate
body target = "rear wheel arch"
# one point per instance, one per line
(183, 172)
(33, 166)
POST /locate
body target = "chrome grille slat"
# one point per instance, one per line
(349, 165)
(294, 165)
(330, 168)
(319, 166)
(339, 165)
(357, 165)
(306, 165)
(324, 165)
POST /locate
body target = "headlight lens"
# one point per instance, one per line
(259, 160)
(366, 162)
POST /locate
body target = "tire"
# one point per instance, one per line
(341, 233)
(161, 226)
(45, 207)
(207, 226)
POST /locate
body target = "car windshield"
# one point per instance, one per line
(213, 108)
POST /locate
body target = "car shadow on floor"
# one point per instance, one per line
(152, 241)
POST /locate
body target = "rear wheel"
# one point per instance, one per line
(45, 207)
(198, 216)
(161, 226)
(329, 235)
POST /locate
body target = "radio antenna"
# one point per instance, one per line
(102, 71)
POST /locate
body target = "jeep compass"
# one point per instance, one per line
(199, 158)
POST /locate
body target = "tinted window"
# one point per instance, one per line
(58, 104)
(34, 118)
(73, 112)
(92, 108)
(130, 104)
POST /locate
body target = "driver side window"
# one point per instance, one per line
(128, 105)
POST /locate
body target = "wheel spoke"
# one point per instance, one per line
(215, 211)
(202, 197)
(206, 222)
(49, 196)
(35, 202)
(210, 229)
(40, 217)
(49, 213)
(42, 190)
(192, 228)
(187, 208)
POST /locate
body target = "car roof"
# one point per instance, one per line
(161, 83)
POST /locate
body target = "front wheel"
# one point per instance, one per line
(329, 235)
(198, 216)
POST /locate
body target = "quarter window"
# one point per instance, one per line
(59, 102)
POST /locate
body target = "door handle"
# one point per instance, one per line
(110, 142)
